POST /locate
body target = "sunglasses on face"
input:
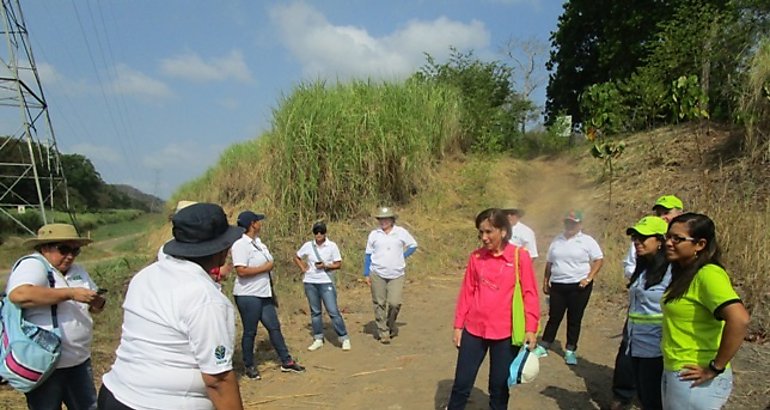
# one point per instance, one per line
(68, 250)
(676, 239)
(640, 238)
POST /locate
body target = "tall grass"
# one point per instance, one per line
(755, 100)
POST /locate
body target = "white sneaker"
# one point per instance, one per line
(346, 344)
(317, 344)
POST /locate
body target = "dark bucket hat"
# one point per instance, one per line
(201, 230)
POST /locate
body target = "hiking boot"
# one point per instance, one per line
(346, 344)
(540, 351)
(385, 338)
(393, 332)
(317, 344)
(253, 373)
(570, 357)
(292, 366)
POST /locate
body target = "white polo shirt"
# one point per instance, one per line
(524, 237)
(629, 262)
(329, 253)
(387, 250)
(571, 258)
(249, 252)
(176, 326)
(74, 319)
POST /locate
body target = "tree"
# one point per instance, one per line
(492, 111)
(528, 57)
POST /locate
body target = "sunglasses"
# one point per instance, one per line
(640, 238)
(676, 239)
(68, 250)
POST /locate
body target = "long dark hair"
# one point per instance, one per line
(498, 218)
(699, 227)
(656, 267)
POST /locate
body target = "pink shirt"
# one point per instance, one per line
(486, 295)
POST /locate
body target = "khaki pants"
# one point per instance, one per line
(386, 293)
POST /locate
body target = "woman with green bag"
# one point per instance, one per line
(485, 319)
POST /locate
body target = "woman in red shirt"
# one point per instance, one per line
(483, 317)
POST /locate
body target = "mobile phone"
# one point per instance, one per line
(101, 291)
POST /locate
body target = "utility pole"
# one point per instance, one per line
(30, 165)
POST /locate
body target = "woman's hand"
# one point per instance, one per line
(697, 374)
(547, 287)
(585, 282)
(456, 337)
(82, 295)
(530, 340)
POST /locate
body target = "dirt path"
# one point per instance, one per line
(416, 370)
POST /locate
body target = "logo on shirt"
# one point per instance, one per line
(219, 352)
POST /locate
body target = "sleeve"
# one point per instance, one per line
(211, 333)
(408, 239)
(594, 251)
(715, 289)
(629, 262)
(303, 251)
(240, 254)
(529, 292)
(336, 255)
(28, 272)
(89, 282)
(532, 244)
(467, 290)
(370, 243)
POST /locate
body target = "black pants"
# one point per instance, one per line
(623, 385)
(570, 298)
(107, 401)
(648, 373)
(469, 357)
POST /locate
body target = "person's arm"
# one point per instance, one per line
(464, 299)
(531, 298)
(28, 296)
(736, 325)
(223, 390)
(367, 268)
(300, 264)
(333, 266)
(547, 278)
(410, 244)
(247, 271)
(595, 266)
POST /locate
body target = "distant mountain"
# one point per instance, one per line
(141, 200)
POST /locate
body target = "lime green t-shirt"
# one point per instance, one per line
(691, 332)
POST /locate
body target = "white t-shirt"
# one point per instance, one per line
(249, 252)
(524, 237)
(387, 250)
(75, 321)
(176, 326)
(329, 253)
(571, 258)
(629, 262)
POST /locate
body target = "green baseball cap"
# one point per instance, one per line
(649, 226)
(574, 215)
(669, 202)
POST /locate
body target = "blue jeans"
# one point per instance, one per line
(254, 310)
(73, 386)
(326, 293)
(712, 395)
(469, 357)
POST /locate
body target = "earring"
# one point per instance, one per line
(696, 254)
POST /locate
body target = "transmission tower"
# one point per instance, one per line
(30, 166)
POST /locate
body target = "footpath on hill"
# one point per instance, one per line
(416, 370)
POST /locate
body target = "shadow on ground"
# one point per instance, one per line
(477, 401)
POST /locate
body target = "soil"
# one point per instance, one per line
(416, 370)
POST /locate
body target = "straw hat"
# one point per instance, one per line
(53, 233)
(183, 204)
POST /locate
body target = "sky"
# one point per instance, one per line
(153, 91)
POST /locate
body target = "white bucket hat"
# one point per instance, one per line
(524, 368)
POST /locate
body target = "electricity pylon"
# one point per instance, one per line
(30, 165)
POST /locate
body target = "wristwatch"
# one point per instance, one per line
(715, 369)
